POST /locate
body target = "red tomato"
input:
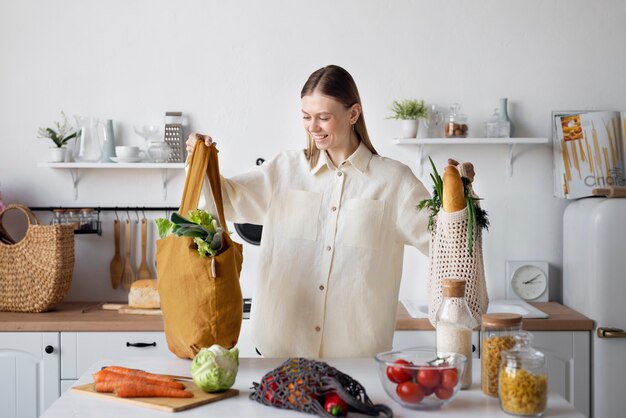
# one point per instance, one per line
(449, 378)
(398, 373)
(428, 377)
(444, 393)
(410, 392)
(270, 387)
(428, 391)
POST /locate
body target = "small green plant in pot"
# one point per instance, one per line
(60, 134)
(409, 111)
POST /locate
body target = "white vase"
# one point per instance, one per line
(56, 155)
(409, 128)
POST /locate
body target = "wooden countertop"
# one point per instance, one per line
(561, 318)
(88, 316)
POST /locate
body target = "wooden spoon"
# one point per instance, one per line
(129, 275)
(144, 272)
(117, 264)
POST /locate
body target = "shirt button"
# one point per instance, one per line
(321, 287)
(334, 208)
(328, 248)
(339, 173)
(318, 329)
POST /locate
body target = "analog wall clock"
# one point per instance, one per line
(528, 280)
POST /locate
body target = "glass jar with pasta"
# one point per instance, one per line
(497, 331)
(522, 380)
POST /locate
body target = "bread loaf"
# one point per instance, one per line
(144, 294)
(453, 193)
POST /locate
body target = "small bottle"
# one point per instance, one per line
(73, 218)
(456, 123)
(58, 217)
(496, 333)
(523, 381)
(86, 219)
(454, 323)
(504, 117)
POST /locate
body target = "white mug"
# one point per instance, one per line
(125, 151)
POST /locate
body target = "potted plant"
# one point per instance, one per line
(60, 134)
(409, 111)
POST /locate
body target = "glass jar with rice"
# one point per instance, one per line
(523, 381)
(497, 331)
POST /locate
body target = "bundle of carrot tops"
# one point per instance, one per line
(132, 383)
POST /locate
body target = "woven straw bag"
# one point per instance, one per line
(36, 272)
(450, 259)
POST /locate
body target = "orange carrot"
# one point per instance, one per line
(109, 386)
(142, 390)
(139, 373)
(109, 376)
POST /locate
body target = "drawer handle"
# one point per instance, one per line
(49, 349)
(611, 333)
(140, 345)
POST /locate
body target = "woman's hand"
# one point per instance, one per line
(191, 142)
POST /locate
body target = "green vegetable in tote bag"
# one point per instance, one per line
(201, 298)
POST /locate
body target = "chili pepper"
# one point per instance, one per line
(335, 406)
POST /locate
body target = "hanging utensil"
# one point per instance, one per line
(117, 264)
(129, 275)
(144, 272)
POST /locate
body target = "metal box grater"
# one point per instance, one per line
(174, 136)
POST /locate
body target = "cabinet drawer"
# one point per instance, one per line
(80, 350)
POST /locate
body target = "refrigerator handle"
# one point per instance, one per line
(611, 333)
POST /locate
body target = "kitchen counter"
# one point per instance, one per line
(88, 316)
(468, 404)
(561, 318)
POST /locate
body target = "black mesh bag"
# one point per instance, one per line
(301, 385)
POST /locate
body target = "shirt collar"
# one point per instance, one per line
(360, 159)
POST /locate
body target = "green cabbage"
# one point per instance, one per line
(215, 368)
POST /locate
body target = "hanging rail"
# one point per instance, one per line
(106, 208)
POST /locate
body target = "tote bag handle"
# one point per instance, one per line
(203, 160)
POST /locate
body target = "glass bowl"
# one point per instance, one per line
(417, 379)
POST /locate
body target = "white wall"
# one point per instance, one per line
(236, 69)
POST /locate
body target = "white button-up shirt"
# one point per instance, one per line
(331, 251)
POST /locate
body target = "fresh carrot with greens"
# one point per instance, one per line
(139, 373)
(109, 376)
(142, 390)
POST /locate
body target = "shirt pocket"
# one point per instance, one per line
(299, 214)
(363, 218)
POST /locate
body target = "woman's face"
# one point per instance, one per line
(328, 121)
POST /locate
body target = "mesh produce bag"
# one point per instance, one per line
(451, 259)
(301, 384)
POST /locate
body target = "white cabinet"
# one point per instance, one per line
(29, 373)
(568, 361)
(80, 350)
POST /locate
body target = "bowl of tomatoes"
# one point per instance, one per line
(417, 379)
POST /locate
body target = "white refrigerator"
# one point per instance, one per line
(594, 284)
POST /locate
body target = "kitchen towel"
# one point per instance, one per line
(201, 297)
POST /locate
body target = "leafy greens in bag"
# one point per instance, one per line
(200, 225)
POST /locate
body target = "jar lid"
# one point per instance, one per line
(453, 288)
(501, 319)
(58, 210)
(522, 354)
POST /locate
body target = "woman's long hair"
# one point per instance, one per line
(333, 81)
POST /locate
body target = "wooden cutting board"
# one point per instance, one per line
(163, 404)
(125, 309)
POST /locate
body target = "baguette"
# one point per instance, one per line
(453, 193)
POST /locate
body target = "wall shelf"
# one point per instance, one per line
(75, 167)
(510, 142)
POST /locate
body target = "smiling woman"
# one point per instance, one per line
(335, 217)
